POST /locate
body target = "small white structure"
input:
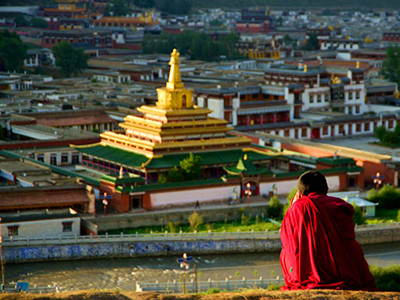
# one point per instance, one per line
(367, 207)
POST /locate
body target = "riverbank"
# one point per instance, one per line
(249, 295)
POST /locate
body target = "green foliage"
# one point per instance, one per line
(196, 45)
(358, 216)
(380, 132)
(162, 178)
(291, 194)
(387, 279)
(275, 207)
(176, 7)
(398, 215)
(117, 8)
(39, 22)
(144, 3)
(175, 175)
(391, 66)
(387, 197)
(71, 60)
(312, 42)
(195, 220)
(244, 220)
(172, 227)
(388, 138)
(191, 167)
(273, 287)
(212, 291)
(12, 51)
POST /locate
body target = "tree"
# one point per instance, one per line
(175, 175)
(380, 132)
(12, 52)
(358, 216)
(312, 43)
(191, 167)
(144, 3)
(275, 207)
(391, 66)
(71, 60)
(195, 220)
(117, 8)
(39, 22)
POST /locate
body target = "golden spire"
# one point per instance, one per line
(174, 79)
(358, 64)
(305, 68)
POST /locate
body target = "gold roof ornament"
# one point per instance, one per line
(335, 79)
(358, 64)
(174, 79)
(305, 68)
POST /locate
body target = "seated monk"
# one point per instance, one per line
(319, 247)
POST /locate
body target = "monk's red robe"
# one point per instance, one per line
(319, 247)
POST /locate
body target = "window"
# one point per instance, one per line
(319, 98)
(53, 159)
(358, 127)
(357, 94)
(366, 126)
(325, 130)
(350, 95)
(311, 98)
(40, 157)
(75, 158)
(64, 157)
(303, 132)
(12, 230)
(67, 226)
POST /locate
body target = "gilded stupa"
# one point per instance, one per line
(174, 124)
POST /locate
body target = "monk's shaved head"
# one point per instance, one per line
(312, 182)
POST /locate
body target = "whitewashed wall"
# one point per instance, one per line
(191, 196)
(40, 228)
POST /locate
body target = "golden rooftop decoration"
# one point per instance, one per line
(174, 124)
(335, 80)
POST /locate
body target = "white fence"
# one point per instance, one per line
(75, 239)
(210, 235)
(202, 286)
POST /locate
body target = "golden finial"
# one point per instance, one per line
(358, 64)
(174, 79)
(397, 94)
(245, 157)
(305, 68)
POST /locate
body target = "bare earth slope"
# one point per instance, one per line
(259, 294)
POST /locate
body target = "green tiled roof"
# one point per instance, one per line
(171, 185)
(136, 160)
(131, 178)
(246, 166)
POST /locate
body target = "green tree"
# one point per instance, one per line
(191, 167)
(144, 3)
(195, 220)
(117, 8)
(358, 216)
(71, 60)
(391, 66)
(12, 52)
(275, 207)
(39, 22)
(380, 132)
(312, 42)
(175, 174)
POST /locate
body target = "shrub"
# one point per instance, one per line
(195, 220)
(358, 217)
(387, 279)
(275, 207)
(372, 195)
(244, 220)
(171, 227)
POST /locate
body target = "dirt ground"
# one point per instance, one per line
(261, 294)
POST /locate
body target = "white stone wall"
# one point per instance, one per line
(191, 196)
(217, 107)
(43, 227)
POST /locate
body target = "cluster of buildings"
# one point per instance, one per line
(256, 123)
